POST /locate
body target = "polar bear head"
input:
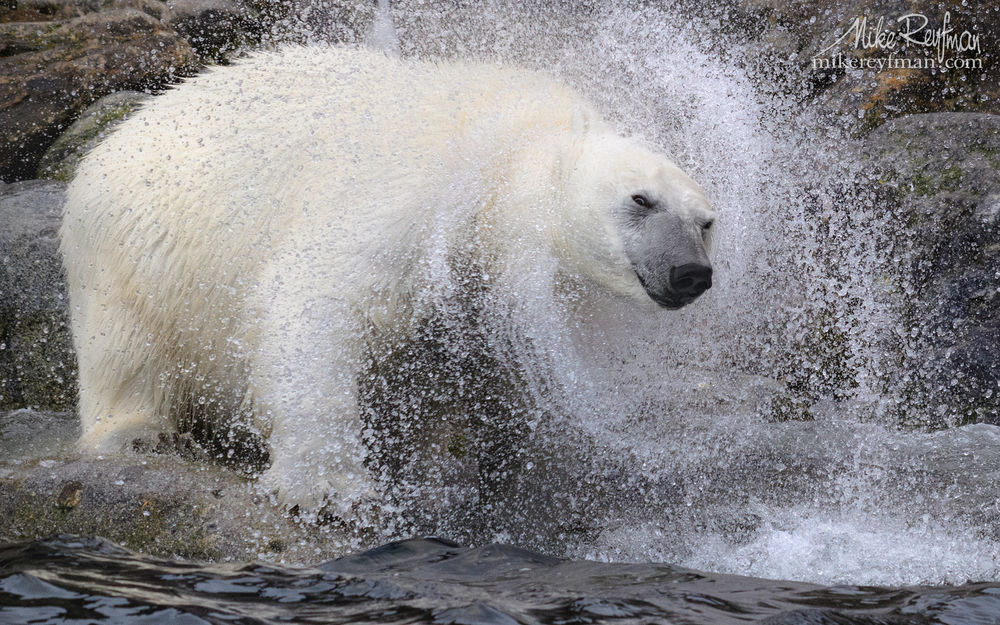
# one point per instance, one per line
(639, 225)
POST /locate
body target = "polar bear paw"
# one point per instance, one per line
(333, 498)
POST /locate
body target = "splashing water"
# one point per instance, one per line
(382, 35)
(759, 426)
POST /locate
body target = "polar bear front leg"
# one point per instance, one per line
(305, 386)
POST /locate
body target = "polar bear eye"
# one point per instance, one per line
(641, 200)
(707, 225)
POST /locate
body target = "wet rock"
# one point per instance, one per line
(37, 366)
(787, 36)
(26, 433)
(944, 167)
(215, 28)
(874, 95)
(61, 160)
(69, 496)
(158, 504)
(47, 10)
(940, 152)
(50, 71)
(333, 21)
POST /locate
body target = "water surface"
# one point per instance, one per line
(89, 580)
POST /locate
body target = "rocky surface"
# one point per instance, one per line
(60, 160)
(216, 29)
(170, 505)
(944, 167)
(51, 71)
(37, 365)
(58, 56)
(161, 504)
(791, 34)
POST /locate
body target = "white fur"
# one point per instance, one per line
(234, 242)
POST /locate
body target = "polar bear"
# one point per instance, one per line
(233, 247)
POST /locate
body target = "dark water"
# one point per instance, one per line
(89, 580)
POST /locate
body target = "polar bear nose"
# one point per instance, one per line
(691, 280)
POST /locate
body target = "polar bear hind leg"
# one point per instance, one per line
(121, 381)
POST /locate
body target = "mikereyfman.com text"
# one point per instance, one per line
(943, 46)
(880, 63)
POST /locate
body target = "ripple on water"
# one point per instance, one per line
(88, 580)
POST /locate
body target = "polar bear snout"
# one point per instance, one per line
(683, 284)
(670, 258)
(690, 280)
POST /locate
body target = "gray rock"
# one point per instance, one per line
(61, 160)
(158, 504)
(944, 166)
(37, 365)
(785, 36)
(935, 152)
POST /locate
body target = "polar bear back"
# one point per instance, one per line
(298, 129)
(328, 160)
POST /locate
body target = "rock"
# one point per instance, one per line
(46, 10)
(786, 36)
(215, 28)
(51, 71)
(69, 496)
(60, 160)
(30, 434)
(941, 151)
(944, 166)
(329, 21)
(158, 504)
(37, 365)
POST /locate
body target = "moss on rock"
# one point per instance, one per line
(60, 161)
